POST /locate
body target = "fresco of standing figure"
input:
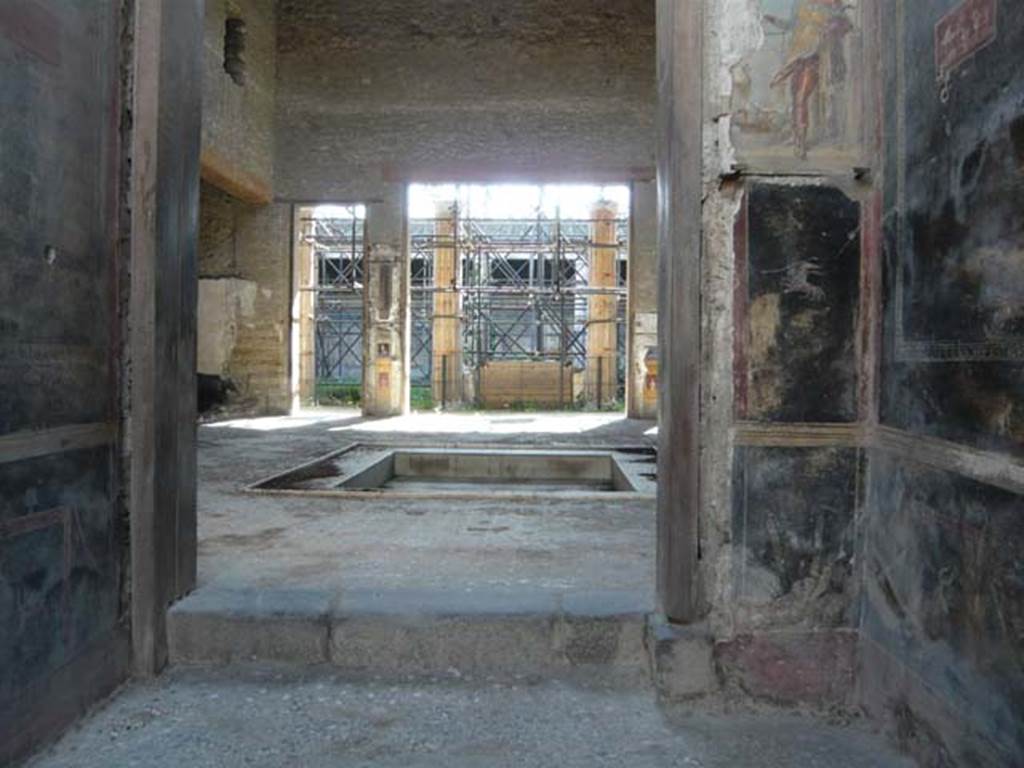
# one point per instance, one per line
(817, 30)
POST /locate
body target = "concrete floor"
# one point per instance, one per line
(265, 716)
(270, 542)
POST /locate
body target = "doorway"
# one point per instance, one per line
(519, 296)
(330, 274)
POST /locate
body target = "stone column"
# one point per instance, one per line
(642, 306)
(386, 321)
(602, 340)
(446, 365)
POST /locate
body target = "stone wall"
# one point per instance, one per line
(371, 95)
(374, 91)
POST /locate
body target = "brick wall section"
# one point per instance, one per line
(238, 121)
(251, 245)
(245, 242)
(456, 91)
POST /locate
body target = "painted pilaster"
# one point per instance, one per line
(642, 309)
(386, 323)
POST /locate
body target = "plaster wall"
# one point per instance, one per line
(243, 293)
(98, 196)
(224, 303)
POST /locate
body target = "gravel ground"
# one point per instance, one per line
(267, 716)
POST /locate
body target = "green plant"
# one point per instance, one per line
(338, 393)
(421, 398)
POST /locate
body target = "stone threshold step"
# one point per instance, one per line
(493, 634)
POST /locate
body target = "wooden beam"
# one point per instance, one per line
(218, 172)
(680, 31)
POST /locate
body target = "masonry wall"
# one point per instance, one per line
(244, 251)
(245, 299)
(375, 91)
(238, 120)
(943, 610)
(377, 94)
(63, 637)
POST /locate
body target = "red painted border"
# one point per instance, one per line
(740, 304)
(963, 32)
(869, 312)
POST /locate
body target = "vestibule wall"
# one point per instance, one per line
(943, 598)
(861, 466)
(64, 639)
(784, 383)
(99, 196)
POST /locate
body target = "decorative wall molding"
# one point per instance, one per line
(989, 467)
(18, 446)
(799, 435)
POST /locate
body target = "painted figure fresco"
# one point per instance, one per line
(795, 93)
(815, 53)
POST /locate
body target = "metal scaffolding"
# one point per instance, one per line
(338, 248)
(524, 292)
(525, 295)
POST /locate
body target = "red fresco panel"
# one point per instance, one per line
(963, 32)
